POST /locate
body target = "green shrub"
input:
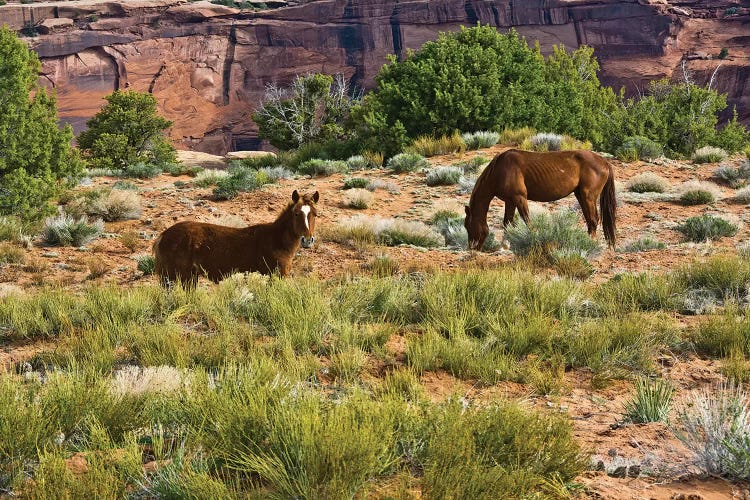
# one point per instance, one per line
(697, 197)
(443, 176)
(471, 166)
(733, 136)
(637, 292)
(65, 230)
(647, 182)
(177, 169)
(643, 245)
(209, 177)
(256, 162)
(706, 227)
(356, 183)
(128, 134)
(652, 401)
(639, 148)
(480, 139)
(548, 233)
(709, 154)
(446, 144)
(721, 335)
(407, 162)
(140, 171)
(146, 264)
(498, 451)
(37, 160)
(318, 167)
(239, 180)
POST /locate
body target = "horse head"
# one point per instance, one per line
(477, 229)
(304, 215)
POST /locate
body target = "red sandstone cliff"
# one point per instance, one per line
(208, 64)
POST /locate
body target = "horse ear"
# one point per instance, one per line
(295, 196)
(316, 197)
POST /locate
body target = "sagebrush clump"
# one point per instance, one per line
(407, 162)
(707, 227)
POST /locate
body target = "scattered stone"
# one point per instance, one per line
(600, 465)
(51, 255)
(612, 452)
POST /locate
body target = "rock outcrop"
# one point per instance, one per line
(208, 64)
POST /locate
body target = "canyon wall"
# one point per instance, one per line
(208, 64)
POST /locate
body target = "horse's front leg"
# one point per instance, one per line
(522, 204)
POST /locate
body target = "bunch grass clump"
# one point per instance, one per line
(709, 154)
(117, 205)
(647, 182)
(373, 158)
(443, 176)
(697, 193)
(473, 165)
(356, 182)
(13, 229)
(451, 225)
(742, 195)
(384, 231)
(733, 177)
(240, 180)
(428, 146)
(652, 401)
(545, 141)
(517, 136)
(572, 265)
(558, 231)
(209, 177)
(11, 254)
(643, 244)
(715, 426)
(480, 139)
(407, 162)
(358, 198)
(276, 173)
(140, 171)
(707, 227)
(317, 167)
(64, 230)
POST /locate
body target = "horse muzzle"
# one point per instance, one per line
(307, 242)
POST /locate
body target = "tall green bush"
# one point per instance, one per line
(478, 78)
(126, 131)
(36, 159)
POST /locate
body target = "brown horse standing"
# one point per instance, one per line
(188, 249)
(517, 176)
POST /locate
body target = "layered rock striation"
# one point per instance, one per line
(208, 64)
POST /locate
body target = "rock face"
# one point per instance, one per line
(208, 64)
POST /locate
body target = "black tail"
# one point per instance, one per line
(608, 206)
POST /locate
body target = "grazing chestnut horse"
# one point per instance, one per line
(188, 249)
(517, 176)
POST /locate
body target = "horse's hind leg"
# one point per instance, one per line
(590, 213)
(522, 204)
(510, 212)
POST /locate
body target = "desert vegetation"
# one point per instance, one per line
(392, 363)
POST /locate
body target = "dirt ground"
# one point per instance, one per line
(666, 471)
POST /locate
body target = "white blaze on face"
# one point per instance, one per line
(306, 210)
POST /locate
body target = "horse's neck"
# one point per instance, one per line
(481, 198)
(283, 231)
